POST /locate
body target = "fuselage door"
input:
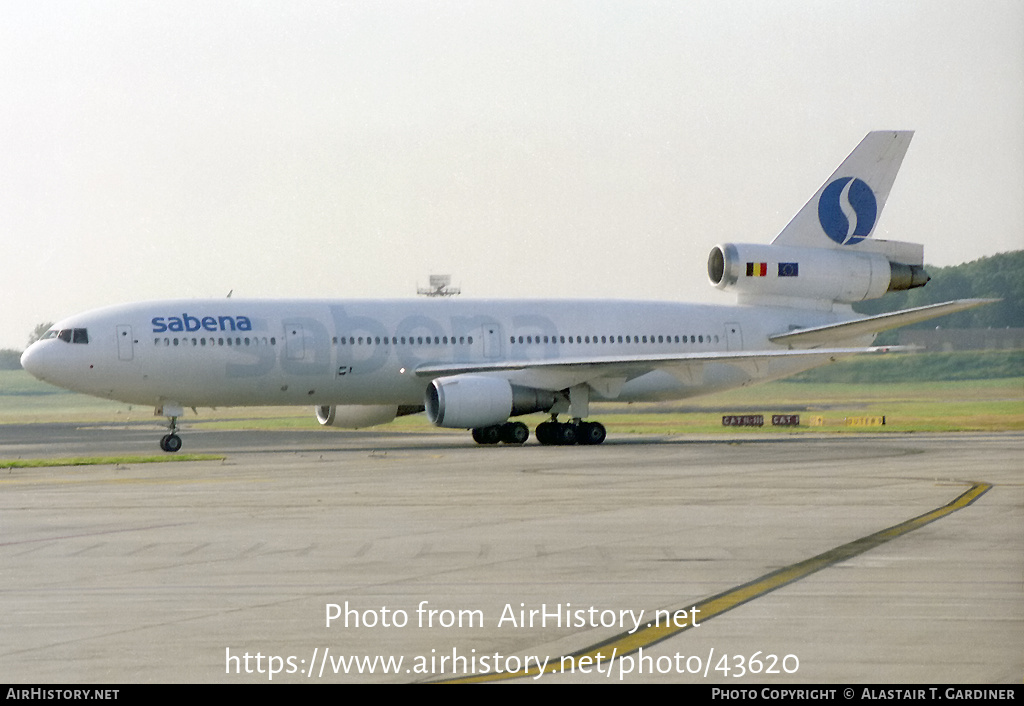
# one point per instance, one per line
(125, 343)
(492, 343)
(294, 341)
(733, 337)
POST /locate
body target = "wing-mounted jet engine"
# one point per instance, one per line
(484, 404)
(360, 416)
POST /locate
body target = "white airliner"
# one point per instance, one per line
(475, 364)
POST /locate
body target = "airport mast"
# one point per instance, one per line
(440, 286)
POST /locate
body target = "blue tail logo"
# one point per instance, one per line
(847, 210)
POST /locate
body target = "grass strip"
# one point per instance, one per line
(104, 460)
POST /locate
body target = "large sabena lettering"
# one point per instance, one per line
(191, 324)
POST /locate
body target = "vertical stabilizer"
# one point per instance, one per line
(846, 208)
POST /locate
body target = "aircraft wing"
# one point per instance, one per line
(607, 374)
(835, 333)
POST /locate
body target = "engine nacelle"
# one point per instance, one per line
(472, 401)
(355, 416)
(809, 273)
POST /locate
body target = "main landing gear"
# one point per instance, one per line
(576, 431)
(555, 433)
(510, 432)
(550, 433)
(575, 402)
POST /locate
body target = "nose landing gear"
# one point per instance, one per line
(170, 443)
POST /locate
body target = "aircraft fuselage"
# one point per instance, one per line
(228, 352)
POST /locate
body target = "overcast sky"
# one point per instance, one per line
(593, 149)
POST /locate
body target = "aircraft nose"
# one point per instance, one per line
(32, 361)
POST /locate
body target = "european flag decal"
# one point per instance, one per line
(789, 269)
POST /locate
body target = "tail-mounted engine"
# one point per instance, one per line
(821, 274)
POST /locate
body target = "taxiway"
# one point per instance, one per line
(225, 571)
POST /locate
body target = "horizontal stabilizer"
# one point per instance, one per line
(834, 333)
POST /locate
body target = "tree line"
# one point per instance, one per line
(996, 277)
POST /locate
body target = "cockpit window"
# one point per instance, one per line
(71, 335)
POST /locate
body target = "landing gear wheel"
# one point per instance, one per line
(556, 434)
(565, 435)
(546, 433)
(487, 435)
(171, 443)
(590, 433)
(514, 433)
